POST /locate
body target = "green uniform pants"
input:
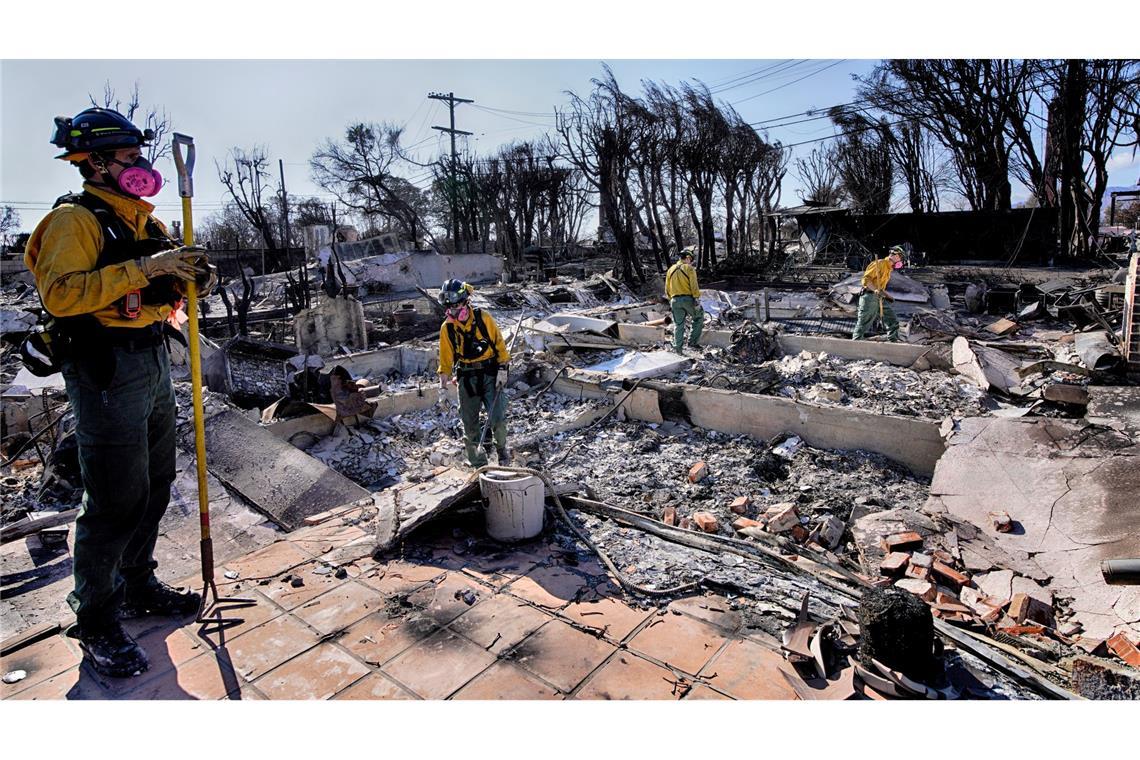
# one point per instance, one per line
(126, 457)
(476, 392)
(871, 305)
(686, 306)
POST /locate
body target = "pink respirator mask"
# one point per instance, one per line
(459, 314)
(898, 265)
(140, 179)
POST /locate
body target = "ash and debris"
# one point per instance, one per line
(827, 380)
(877, 387)
(644, 467)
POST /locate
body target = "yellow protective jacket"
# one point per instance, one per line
(64, 249)
(877, 275)
(449, 356)
(681, 280)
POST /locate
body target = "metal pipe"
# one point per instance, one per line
(1121, 572)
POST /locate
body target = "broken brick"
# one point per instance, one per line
(706, 522)
(740, 505)
(741, 523)
(917, 571)
(1024, 607)
(987, 608)
(799, 533)
(830, 531)
(894, 563)
(924, 590)
(950, 574)
(669, 516)
(782, 517)
(698, 472)
(1001, 521)
(944, 596)
(1120, 646)
(919, 559)
(903, 541)
(943, 557)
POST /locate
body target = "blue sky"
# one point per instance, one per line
(289, 106)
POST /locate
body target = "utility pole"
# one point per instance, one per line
(451, 102)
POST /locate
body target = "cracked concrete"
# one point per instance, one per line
(1071, 490)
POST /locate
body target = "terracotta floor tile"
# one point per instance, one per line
(268, 562)
(73, 684)
(290, 597)
(438, 600)
(375, 686)
(747, 670)
(499, 622)
(317, 674)
(41, 660)
(438, 665)
(506, 681)
(333, 532)
(627, 676)
(340, 607)
(700, 691)
(174, 645)
(378, 638)
(268, 645)
(680, 641)
(326, 538)
(203, 677)
(262, 612)
(245, 693)
(500, 568)
(608, 614)
(399, 577)
(549, 587)
(560, 655)
(710, 608)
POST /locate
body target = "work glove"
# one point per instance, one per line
(179, 262)
(501, 378)
(444, 381)
(207, 278)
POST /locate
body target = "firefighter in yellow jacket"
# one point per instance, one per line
(471, 346)
(109, 276)
(874, 300)
(684, 300)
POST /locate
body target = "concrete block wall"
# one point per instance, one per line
(335, 322)
(256, 376)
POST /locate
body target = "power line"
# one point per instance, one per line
(789, 84)
(781, 70)
(752, 72)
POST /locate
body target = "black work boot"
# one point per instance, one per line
(504, 457)
(111, 650)
(156, 598)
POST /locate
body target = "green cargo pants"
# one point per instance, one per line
(871, 305)
(476, 392)
(126, 458)
(686, 306)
